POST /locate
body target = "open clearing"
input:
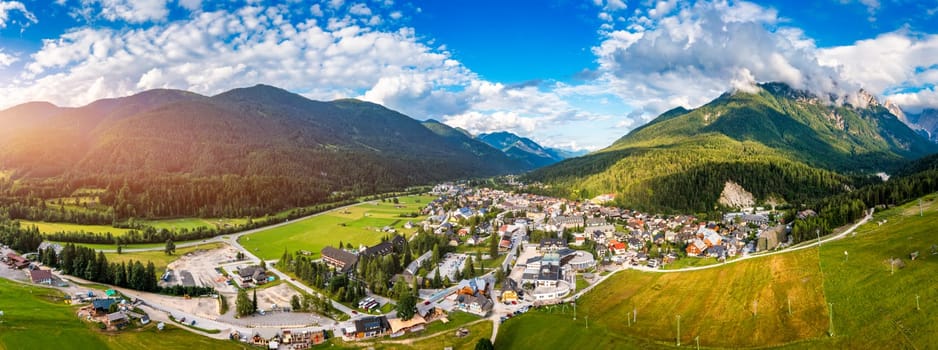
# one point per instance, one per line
(872, 306)
(159, 258)
(360, 224)
(36, 318)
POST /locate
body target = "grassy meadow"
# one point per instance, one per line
(37, 318)
(746, 304)
(53, 227)
(360, 224)
(743, 305)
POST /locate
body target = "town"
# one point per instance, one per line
(540, 251)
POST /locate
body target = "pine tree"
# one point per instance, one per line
(254, 301)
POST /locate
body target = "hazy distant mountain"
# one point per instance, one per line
(778, 143)
(522, 148)
(927, 120)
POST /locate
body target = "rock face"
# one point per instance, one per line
(736, 196)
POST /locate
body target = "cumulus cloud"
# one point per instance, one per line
(134, 11)
(323, 59)
(6, 59)
(892, 64)
(7, 7)
(191, 5)
(696, 52)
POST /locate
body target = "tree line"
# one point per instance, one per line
(83, 262)
(839, 210)
(149, 234)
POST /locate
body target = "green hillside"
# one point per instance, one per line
(245, 152)
(779, 144)
(746, 304)
(37, 318)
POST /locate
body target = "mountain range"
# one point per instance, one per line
(780, 144)
(523, 149)
(171, 144)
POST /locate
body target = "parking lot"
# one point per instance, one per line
(451, 263)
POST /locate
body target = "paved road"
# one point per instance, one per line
(233, 236)
(232, 240)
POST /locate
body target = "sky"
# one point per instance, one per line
(568, 74)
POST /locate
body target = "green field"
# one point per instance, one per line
(169, 224)
(53, 227)
(360, 224)
(37, 318)
(193, 223)
(872, 307)
(159, 258)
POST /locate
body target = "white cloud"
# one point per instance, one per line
(135, 11)
(335, 4)
(6, 59)
(697, 52)
(191, 5)
(360, 10)
(7, 7)
(316, 10)
(893, 64)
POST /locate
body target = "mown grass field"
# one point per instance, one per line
(193, 223)
(750, 298)
(53, 227)
(159, 258)
(37, 318)
(360, 224)
(170, 224)
(872, 307)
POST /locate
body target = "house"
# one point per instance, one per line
(579, 239)
(370, 327)
(696, 248)
(253, 274)
(399, 326)
(341, 260)
(17, 262)
(117, 319)
(616, 247)
(474, 240)
(384, 248)
(716, 251)
(41, 276)
(551, 244)
(476, 303)
(599, 237)
(417, 263)
(102, 306)
(504, 244)
(635, 244)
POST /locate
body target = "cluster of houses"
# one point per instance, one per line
(100, 310)
(294, 339)
(344, 261)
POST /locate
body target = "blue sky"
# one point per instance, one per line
(573, 74)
